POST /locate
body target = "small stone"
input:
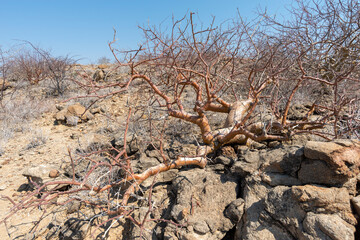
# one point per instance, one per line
(5, 84)
(273, 144)
(103, 66)
(74, 136)
(96, 110)
(201, 227)
(257, 145)
(169, 175)
(54, 173)
(59, 107)
(228, 152)
(73, 114)
(92, 193)
(224, 160)
(217, 167)
(38, 174)
(235, 210)
(276, 179)
(99, 75)
(3, 186)
(39, 171)
(241, 149)
(73, 207)
(60, 116)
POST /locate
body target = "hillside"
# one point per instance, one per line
(292, 190)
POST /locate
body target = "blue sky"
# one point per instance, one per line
(83, 28)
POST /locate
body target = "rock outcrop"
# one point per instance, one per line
(288, 192)
(73, 114)
(304, 192)
(330, 163)
(296, 192)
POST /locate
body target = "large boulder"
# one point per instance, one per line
(277, 166)
(324, 200)
(286, 199)
(325, 226)
(285, 210)
(247, 163)
(255, 223)
(298, 212)
(330, 163)
(201, 200)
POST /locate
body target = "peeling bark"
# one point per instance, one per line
(237, 111)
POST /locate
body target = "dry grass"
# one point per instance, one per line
(16, 114)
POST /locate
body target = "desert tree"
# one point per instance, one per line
(237, 66)
(59, 69)
(251, 71)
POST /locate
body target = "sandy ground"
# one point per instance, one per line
(54, 152)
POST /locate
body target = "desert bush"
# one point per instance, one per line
(324, 36)
(57, 69)
(4, 67)
(34, 64)
(28, 65)
(38, 138)
(104, 60)
(7, 88)
(5, 134)
(252, 72)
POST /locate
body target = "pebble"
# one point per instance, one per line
(54, 173)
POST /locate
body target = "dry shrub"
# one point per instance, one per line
(250, 71)
(33, 64)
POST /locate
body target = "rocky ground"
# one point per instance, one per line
(305, 189)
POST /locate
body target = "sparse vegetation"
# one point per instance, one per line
(4, 68)
(57, 69)
(104, 60)
(33, 64)
(38, 138)
(268, 81)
